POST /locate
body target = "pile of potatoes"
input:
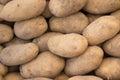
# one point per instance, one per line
(59, 39)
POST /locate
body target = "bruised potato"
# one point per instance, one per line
(62, 76)
(45, 65)
(18, 54)
(3, 69)
(68, 45)
(40, 78)
(31, 28)
(101, 30)
(87, 62)
(75, 23)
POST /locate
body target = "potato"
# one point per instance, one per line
(116, 14)
(4, 1)
(62, 77)
(13, 76)
(45, 65)
(6, 33)
(18, 54)
(40, 78)
(68, 45)
(1, 78)
(1, 7)
(101, 30)
(102, 6)
(25, 9)
(3, 69)
(13, 69)
(87, 62)
(31, 28)
(1, 48)
(75, 23)
(85, 78)
(42, 40)
(65, 7)
(112, 46)
(109, 69)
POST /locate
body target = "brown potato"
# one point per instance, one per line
(65, 7)
(116, 14)
(42, 40)
(87, 62)
(25, 9)
(40, 78)
(1, 78)
(3, 69)
(68, 45)
(4, 1)
(75, 23)
(18, 54)
(62, 76)
(102, 6)
(101, 29)
(109, 69)
(45, 65)
(6, 33)
(31, 28)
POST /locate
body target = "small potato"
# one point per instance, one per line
(42, 40)
(68, 45)
(13, 69)
(85, 78)
(101, 30)
(102, 6)
(18, 54)
(3, 69)
(65, 7)
(87, 62)
(112, 46)
(75, 23)
(4, 1)
(62, 77)
(109, 69)
(17, 10)
(40, 78)
(1, 48)
(45, 65)
(116, 14)
(6, 33)
(1, 78)
(31, 28)
(13, 76)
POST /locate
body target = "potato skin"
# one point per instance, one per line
(31, 28)
(32, 7)
(68, 45)
(102, 6)
(87, 62)
(101, 30)
(62, 76)
(1, 78)
(39, 78)
(75, 23)
(65, 7)
(42, 40)
(85, 78)
(47, 62)
(18, 54)
(3, 69)
(105, 71)
(116, 14)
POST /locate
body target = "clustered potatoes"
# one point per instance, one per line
(59, 39)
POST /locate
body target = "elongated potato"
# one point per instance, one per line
(109, 69)
(43, 66)
(65, 7)
(4, 1)
(101, 30)
(40, 78)
(112, 47)
(68, 45)
(75, 23)
(85, 78)
(31, 28)
(62, 76)
(3, 69)
(87, 62)
(102, 6)
(25, 9)
(116, 14)
(42, 40)
(1, 78)
(18, 54)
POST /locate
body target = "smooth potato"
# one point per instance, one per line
(3, 69)
(40, 78)
(116, 14)
(62, 76)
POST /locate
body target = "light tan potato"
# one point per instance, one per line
(62, 77)
(101, 30)
(68, 45)
(1, 48)
(75, 23)
(13, 76)
(112, 46)
(116, 14)
(87, 62)
(13, 69)
(40, 78)
(31, 28)
(25, 9)
(65, 7)
(6, 33)
(109, 69)
(102, 6)
(18, 54)
(46, 65)
(1, 78)
(85, 78)
(42, 40)
(3, 69)
(4, 1)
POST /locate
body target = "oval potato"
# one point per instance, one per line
(40, 78)
(3, 69)
(62, 76)
(116, 14)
